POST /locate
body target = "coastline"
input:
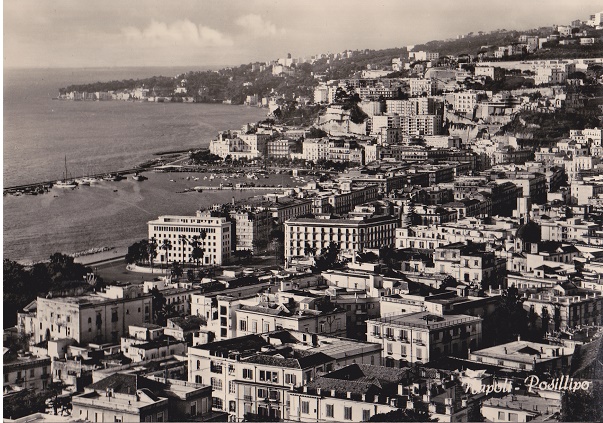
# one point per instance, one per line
(113, 214)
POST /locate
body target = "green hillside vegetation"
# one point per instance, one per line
(236, 83)
(549, 126)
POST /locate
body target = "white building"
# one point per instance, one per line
(179, 232)
(351, 235)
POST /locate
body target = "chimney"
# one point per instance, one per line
(305, 389)
(349, 395)
(333, 393)
(318, 391)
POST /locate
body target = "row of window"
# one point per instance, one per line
(330, 411)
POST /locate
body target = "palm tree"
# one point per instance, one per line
(197, 252)
(203, 235)
(183, 242)
(166, 245)
(152, 250)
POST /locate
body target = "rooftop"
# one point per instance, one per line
(536, 405)
(426, 320)
(126, 383)
(359, 379)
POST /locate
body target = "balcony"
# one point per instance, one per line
(403, 339)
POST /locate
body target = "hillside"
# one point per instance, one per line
(236, 83)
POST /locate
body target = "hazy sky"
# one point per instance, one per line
(74, 33)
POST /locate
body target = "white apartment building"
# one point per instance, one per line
(321, 94)
(590, 136)
(86, 318)
(255, 373)
(461, 231)
(423, 55)
(465, 102)
(316, 149)
(179, 232)
(420, 86)
(352, 235)
(420, 337)
(412, 106)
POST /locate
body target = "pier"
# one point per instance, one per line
(48, 184)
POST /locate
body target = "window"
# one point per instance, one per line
(268, 376)
(305, 407)
(347, 413)
(389, 348)
(217, 403)
(501, 415)
(118, 419)
(215, 367)
(254, 327)
(266, 327)
(232, 406)
(231, 387)
(247, 374)
(194, 408)
(289, 379)
(330, 410)
(216, 384)
(366, 415)
(513, 417)
(262, 393)
(160, 416)
(243, 325)
(114, 317)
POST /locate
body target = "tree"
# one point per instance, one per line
(328, 258)
(152, 251)
(309, 250)
(583, 406)
(138, 252)
(161, 309)
(508, 320)
(545, 318)
(166, 245)
(177, 270)
(197, 252)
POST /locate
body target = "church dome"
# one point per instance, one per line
(529, 232)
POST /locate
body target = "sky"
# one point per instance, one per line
(204, 33)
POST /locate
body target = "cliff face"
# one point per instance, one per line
(337, 121)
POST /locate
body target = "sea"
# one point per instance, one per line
(41, 134)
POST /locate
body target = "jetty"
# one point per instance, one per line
(46, 185)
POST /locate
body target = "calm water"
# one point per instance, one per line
(96, 137)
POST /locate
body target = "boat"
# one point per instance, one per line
(66, 182)
(89, 180)
(82, 181)
(112, 177)
(138, 177)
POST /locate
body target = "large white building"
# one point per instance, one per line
(351, 235)
(316, 149)
(420, 337)
(180, 232)
(256, 373)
